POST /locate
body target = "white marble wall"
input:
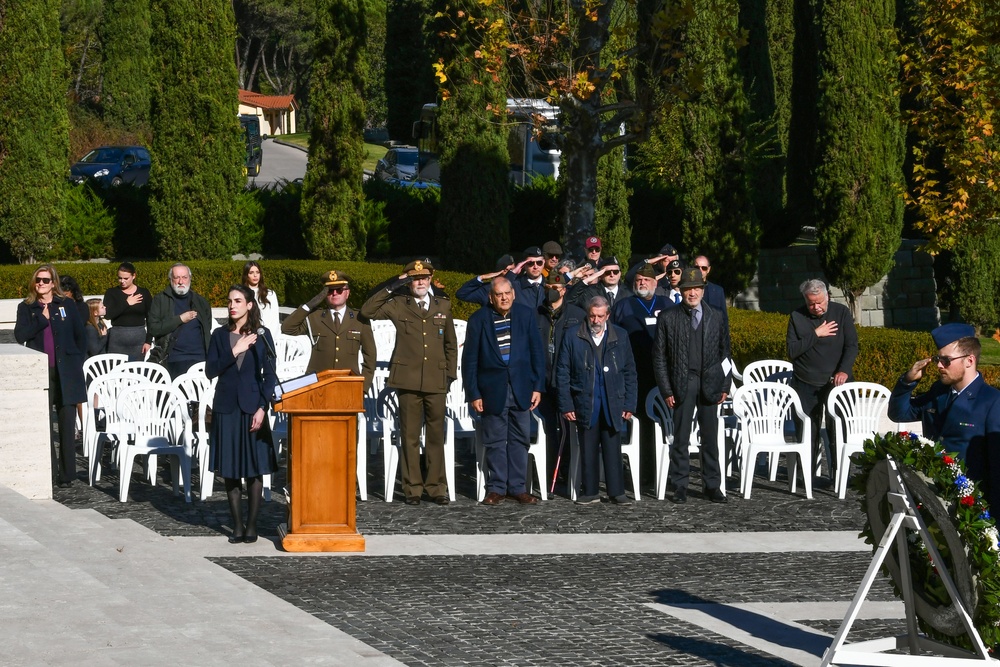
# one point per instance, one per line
(25, 457)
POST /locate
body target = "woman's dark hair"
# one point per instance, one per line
(253, 316)
(127, 267)
(71, 287)
(262, 290)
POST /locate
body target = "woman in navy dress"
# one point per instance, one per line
(242, 446)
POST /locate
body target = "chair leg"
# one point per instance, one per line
(792, 462)
(480, 472)
(807, 478)
(390, 462)
(175, 465)
(662, 469)
(541, 465)
(362, 454)
(185, 462)
(574, 465)
(449, 465)
(125, 474)
(267, 487)
(151, 463)
(633, 467)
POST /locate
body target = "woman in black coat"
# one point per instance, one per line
(242, 446)
(49, 322)
(128, 305)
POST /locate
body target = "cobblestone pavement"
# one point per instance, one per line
(554, 609)
(771, 508)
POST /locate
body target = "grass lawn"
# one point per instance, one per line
(374, 151)
(991, 352)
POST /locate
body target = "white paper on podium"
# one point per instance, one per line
(291, 385)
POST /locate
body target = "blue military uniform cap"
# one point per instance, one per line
(946, 334)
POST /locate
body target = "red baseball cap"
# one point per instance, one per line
(592, 242)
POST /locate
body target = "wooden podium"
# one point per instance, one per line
(322, 464)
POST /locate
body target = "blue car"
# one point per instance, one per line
(113, 165)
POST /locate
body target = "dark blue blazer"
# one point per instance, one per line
(69, 338)
(970, 427)
(484, 372)
(246, 388)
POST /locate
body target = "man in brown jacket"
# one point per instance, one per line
(422, 368)
(335, 331)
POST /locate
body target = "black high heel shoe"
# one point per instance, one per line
(250, 539)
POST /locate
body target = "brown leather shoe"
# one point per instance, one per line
(493, 498)
(524, 498)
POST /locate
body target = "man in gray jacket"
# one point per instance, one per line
(181, 322)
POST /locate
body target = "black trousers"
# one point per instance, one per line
(62, 417)
(597, 443)
(685, 412)
(813, 400)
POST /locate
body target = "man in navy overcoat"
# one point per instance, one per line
(503, 369)
(960, 409)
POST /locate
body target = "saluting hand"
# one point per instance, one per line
(917, 370)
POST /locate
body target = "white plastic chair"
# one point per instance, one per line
(370, 428)
(292, 356)
(101, 364)
(630, 449)
(662, 417)
(155, 373)
(768, 370)
(537, 452)
(194, 387)
(762, 408)
(102, 402)
(391, 443)
(384, 332)
(461, 326)
(857, 409)
(151, 417)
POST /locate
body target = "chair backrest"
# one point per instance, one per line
(767, 370)
(104, 391)
(372, 397)
(657, 411)
(152, 411)
(384, 332)
(461, 326)
(155, 373)
(194, 387)
(762, 408)
(293, 356)
(858, 409)
(101, 364)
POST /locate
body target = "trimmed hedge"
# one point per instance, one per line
(884, 355)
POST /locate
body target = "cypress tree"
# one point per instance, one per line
(197, 148)
(34, 132)
(409, 77)
(802, 129)
(719, 219)
(611, 214)
(126, 68)
(375, 105)
(858, 196)
(475, 190)
(332, 198)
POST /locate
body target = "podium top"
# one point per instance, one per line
(333, 391)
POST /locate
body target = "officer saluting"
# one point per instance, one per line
(423, 366)
(336, 332)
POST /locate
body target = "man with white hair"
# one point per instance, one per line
(822, 346)
(181, 322)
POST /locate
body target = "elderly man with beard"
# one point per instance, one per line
(180, 321)
(597, 392)
(691, 343)
(423, 366)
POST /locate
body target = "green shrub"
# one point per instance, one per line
(89, 228)
(249, 215)
(412, 215)
(376, 228)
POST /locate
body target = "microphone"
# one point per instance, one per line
(267, 342)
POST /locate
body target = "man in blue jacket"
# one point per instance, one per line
(960, 409)
(597, 391)
(503, 368)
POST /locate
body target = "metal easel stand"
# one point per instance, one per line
(905, 516)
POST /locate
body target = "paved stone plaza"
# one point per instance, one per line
(764, 581)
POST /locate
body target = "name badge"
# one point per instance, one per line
(650, 321)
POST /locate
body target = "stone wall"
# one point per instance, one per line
(25, 449)
(904, 299)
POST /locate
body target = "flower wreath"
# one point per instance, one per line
(967, 511)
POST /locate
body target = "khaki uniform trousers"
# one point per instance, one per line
(415, 409)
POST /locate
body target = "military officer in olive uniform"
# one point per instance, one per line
(336, 332)
(422, 368)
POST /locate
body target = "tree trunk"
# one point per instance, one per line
(579, 166)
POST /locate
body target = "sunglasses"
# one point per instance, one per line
(676, 272)
(535, 262)
(44, 281)
(593, 250)
(553, 256)
(337, 290)
(946, 361)
(703, 268)
(613, 272)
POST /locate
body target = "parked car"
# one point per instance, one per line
(113, 165)
(399, 163)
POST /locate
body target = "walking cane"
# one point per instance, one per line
(564, 433)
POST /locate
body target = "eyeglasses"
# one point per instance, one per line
(946, 361)
(535, 262)
(44, 281)
(676, 272)
(337, 290)
(703, 268)
(613, 272)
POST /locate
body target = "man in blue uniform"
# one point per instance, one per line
(960, 409)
